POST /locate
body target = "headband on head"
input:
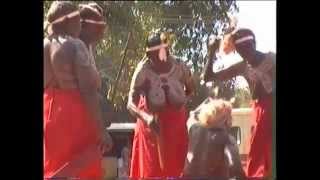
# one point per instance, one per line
(62, 18)
(94, 4)
(154, 48)
(93, 22)
(86, 6)
(158, 42)
(162, 52)
(244, 39)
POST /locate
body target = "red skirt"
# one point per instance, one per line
(68, 132)
(145, 156)
(260, 150)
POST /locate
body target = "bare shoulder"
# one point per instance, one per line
(77, 43)
(272, 56)
(178, 62)
(139, 75)
(68, 43)
(69, 50)
(268, 63)
(80, 51)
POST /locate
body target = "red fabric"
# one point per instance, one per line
(68, 132)
(144, 160)
(259, 157)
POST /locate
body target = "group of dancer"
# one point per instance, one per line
(168, 141)
(74, 130)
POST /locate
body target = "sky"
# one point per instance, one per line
(260, 17)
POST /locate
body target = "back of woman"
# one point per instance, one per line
(71, 130)
(65, 53)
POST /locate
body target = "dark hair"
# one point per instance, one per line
(242, 33)
(155, 39)
(247, 48)
(57, 10)
(87, 13)
(97, 7)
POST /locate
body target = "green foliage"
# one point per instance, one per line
(190, 23)
(243, 98)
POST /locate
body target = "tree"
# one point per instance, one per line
(189, 23)
(243, 98)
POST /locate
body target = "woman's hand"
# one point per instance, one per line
(154, 124)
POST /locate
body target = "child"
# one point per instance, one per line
(212, 152)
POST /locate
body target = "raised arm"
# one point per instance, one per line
(225, 74)
(232, 71)
(208, 74)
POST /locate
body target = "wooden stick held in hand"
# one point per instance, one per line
(160, 151)
(160, 145)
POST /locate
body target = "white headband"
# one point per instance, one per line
(246, 38)
(60, 19)
(93, 22)
(70, 15)
(157, 47)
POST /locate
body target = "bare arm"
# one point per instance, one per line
(85, 76)
(225, 74)
(138, 86)
(47, 74)
(208, 74)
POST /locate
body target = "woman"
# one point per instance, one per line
(92, 27)
(73, 131)
(258, 69)
(212, 152)
(92, 31)
(160, 88)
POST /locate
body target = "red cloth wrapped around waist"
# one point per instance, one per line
(68, 128)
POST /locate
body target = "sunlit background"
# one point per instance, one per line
(260, 17)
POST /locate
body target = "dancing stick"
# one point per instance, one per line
(160, 152)
(121, 67)
(160, 147)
